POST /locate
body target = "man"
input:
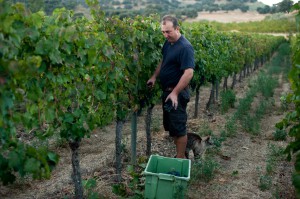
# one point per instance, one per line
(175, 72)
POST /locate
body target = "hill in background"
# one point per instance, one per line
(181, 8)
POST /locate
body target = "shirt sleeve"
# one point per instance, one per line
(187, 58)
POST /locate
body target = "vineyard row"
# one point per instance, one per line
(67, 76)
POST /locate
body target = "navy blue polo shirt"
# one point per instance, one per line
(177, 57)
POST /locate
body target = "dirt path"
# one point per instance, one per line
(247, 158)
(245, 163)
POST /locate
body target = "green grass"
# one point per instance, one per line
(266, 84)
(204, 130)
(227, 100)
(279, 135)
(204, 170)
(274, 155)
(231, 127)
(265, 182)
(263, 87)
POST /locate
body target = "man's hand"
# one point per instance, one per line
(151, 82)
(174, 99)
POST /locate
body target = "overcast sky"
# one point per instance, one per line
(271, 2)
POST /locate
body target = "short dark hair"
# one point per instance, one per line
(171, 19)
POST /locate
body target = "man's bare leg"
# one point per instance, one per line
(180, 143)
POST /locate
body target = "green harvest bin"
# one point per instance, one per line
(166, 178)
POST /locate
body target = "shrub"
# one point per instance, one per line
(251, 124)
(204, 170)
(279, 134)
(275, 154)
(244, 106)
(266, 85)
(227, 100)
(265, 182)
(231, 127)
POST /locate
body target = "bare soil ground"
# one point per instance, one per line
(237, 177)
(246, 155)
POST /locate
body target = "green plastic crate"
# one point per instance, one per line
(166, 178)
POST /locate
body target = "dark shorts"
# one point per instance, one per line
(174, 121)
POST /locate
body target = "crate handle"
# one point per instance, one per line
(166, 177)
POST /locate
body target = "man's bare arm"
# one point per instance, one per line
(184, 81)
(182, 84)
(152, 80)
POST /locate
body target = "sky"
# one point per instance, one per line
(271, 2)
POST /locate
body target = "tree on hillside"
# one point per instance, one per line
(235, 5)
(264, 10)
(284, 6)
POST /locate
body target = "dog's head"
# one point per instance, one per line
(208, 141)
(201, 145)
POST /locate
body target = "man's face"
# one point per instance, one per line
(170, 33)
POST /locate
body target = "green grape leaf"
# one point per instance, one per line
(53, 157)
(32, 165)
(100, 95)
(14, 160)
